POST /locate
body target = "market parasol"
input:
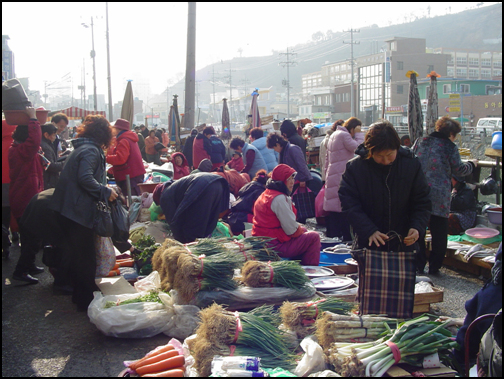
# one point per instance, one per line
(432, 105)
(175, 123)
(415, 116)
(128, 105)
(225, 129)
(254, 119)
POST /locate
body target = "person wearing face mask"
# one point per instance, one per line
(275, 217)
(384, 192)
(52, 173)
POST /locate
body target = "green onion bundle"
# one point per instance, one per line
(252, 248)
(224, 328)
(300, 317)
(283, 273)
(413, 338)
(332, 327)
(268, 314)
(206, 246)
(204, 273)
(152, 296)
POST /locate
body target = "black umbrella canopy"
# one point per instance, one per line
(225, 130)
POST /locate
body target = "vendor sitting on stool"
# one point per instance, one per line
(462, 207)
(275, 216)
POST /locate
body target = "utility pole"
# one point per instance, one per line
(190, 68)
(111, 114)
(352, 96)
(245, 82)
(93, 54)
(287, 64)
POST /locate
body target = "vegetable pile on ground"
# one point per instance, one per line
(147, 246)
(151, 296)
(288, 274)
(239, 333)
(409, 343)
(164, 361)
(300, 317)
(332, 327)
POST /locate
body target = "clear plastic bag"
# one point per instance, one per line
(135, 320)
(150, 282)
(313, 359)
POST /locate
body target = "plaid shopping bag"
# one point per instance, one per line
(304, 201)
(386, 282)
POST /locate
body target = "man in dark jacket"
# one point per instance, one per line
(52, 172)
(141, 142)
(144, 131)
(60, 121)
(205, 195)
(289, 132)
(381, 197)
(218, 151)
(188, 147)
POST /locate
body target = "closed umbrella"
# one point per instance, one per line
(432, 105)
(176, 122)
(415, 116)
(226, 131)
(128, 105)
(254, 119)
(171, 123)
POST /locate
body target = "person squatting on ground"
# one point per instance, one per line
(275, 216)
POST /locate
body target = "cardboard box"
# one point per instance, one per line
(424, 300)
(403, 370)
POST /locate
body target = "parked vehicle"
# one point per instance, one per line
(489, 125)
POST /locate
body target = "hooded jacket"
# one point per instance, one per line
(340, 150)
(192, 205)
(292, 155)
(202, 148)
(26, 172)
(385, 198)
(270, 156)
(323, 153)
(180, 171)
(125, 156)
(81, 183)
(218, 154)
(440, 160)
(52, 173)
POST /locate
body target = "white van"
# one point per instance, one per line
(489, 124)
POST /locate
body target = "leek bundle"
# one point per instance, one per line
(412, 339)
(252, 248)
(300, 317)
(331, 327)
(284, 273)
(204, 273)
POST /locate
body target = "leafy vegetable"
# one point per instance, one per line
(152, 296)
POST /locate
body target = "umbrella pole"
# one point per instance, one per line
(128, 186)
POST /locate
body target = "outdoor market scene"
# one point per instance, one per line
(350, 227)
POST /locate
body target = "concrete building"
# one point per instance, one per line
(472, 63)
(8, 68)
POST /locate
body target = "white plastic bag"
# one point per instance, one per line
(184, 322)
(136, 320)
(150, 282)
(313, 359)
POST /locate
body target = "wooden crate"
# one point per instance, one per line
(424, 300)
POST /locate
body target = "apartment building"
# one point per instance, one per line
(472, 63)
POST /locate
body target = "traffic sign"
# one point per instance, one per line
(454, 102)
(454, 95)
(447, 109)
(454, 109)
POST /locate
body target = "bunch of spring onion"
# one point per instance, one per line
(223, 328)
(152, 296)
(206, 246)
(202, 273)
(413, 338)
(268, 313)
(300, 317)
(252, 248)
(332, 327)
(288, 274)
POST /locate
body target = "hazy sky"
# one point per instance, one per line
(148, 40)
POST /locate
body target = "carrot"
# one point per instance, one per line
(116, 266)
(174, 373)
(166, 364)
(158, 350)
(114, 273)
(125, 263)
(158, 358)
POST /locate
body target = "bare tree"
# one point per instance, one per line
(240, 50)
(329, 34)
(317, 36)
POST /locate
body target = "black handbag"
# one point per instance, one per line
(304, 200)
(120, 220)
(103, 224)
(159, 146)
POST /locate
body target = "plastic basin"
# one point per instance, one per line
(494, 215)
(21, 118)
(331, 258)
(147, 187)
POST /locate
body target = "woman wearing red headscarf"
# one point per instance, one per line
(275, 216)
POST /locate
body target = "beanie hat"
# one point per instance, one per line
(282, 172)
(205, 165)
(288, 128)
(122, 124)
(194, 132)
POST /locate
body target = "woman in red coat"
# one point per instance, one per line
(180, 166)
(26, 176)
(7, 131)
(125, 157)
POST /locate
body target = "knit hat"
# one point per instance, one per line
(121, 124)
(288, 128)
(194, 132)
(282, 172)
(205, 165)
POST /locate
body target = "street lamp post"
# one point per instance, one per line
(93, 54)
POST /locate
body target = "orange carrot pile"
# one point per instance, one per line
(164, 361)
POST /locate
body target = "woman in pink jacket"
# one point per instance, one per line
(340, 149)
